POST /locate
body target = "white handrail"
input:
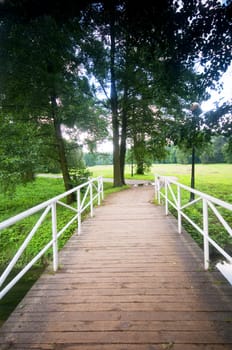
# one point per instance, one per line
(95, 192)
(207, 202)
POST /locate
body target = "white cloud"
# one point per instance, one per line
(222, 96)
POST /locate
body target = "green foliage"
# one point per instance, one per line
(227, 151)
(18, 153)
(80, 176)
(46, 65)
(183, 157)
(11, 238)
(25, 197)
(28, 195)
(217, 151)
(42, 88)
(94, 158)
(214, 153)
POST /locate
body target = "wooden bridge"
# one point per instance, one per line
(129, 282)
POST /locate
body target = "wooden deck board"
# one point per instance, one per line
(129, 282)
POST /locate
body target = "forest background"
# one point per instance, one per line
(74, 75)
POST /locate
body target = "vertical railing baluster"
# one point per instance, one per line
(78, 211)
(98, 191)
(166, 195)
(206, 233)
(157, 189)
(91, 198)
(155, 186)
(102, 188)
(54, 237)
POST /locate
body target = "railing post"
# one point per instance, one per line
(99, 191)
(54, 236)
(166, 195)
(78, 211)
(156, 194)
(206, 233)
(157, 189)
(91, 198)
(179, 208)
(102, 188)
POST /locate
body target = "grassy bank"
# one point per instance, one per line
(23, 198)
(214, 179)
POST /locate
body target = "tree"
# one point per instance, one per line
(42, 81)
(227, 151)
(172, 38)
(164, 39)
(196, 130)
(191, 135)
(215, 152)
(18, 152)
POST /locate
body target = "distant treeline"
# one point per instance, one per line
(218, 151)
(95, 158)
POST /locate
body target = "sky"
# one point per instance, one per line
(224, 95)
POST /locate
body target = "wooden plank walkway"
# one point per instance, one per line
(129, 282)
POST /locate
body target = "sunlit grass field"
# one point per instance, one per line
(214, 179)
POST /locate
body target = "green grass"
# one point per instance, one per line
(25, 197)
(29, 195)
(214, 179)
(102, 170)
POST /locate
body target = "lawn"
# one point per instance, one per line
(214, 179)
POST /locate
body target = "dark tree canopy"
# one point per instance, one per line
(164, 53)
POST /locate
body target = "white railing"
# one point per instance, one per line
(172, 194)
(93, 192)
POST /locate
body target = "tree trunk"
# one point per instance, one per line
(123, 137)
(192, 195)
(116, 153)
(124, 117)
(114, 105)
(61, 152)
(139, 153)
(132, 163)
(28, 175)
(123, 151)
(140, 168)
